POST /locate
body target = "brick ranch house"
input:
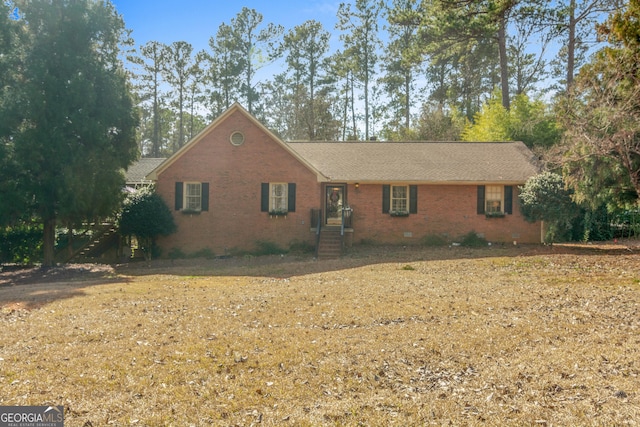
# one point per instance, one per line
(236, 184)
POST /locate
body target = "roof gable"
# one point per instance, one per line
(216, 123)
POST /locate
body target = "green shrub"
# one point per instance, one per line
(597, 225)
(472, 240)
(202, 253)
(301, 247)
(545, 198)
(434, 240)
(146, 216)
(268, 248)
(626, 223)
(177, 253)
(21, 245)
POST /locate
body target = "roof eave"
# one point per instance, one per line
(427, 182)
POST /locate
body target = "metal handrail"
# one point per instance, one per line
(346, 210)
(318, 226)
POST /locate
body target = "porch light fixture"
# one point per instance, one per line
(357, 185)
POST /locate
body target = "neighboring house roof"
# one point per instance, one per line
(137, 172)
(425, 162)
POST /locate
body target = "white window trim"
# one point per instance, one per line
(284, 197)
(186, 196)
(497, 190)
(406, 199)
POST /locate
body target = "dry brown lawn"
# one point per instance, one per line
(497, 336)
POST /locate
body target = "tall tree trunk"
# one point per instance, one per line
(248, 83)
(193, 95)
(366, 105)
(353, 108)
(181, 118)
(571, 46)
(70, 240)
(504, 65)
(155, 146)
(407, 101)
(49, 242)
(346, 110)
(312, 128)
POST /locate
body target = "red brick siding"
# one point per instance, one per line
(234, 220)
(447, 210)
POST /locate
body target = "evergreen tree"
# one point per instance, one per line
(12, 201)
(179, 69)
(253, 47)
(306, 46)
(222, 74)
(574, 22)
(342, 66)
(437, 124)
(544, 198)
(151, 61)
(361, 42)
(78, 129)
(401, 61)
(601, 150)
(146, 216)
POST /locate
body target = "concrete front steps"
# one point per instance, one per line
(330, 244)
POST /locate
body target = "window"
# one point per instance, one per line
(192, 196)
(493, 199)
(399, 198)
(237, 138)
(278, 197)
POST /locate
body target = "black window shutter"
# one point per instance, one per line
(264, 197)
(480, 199)
(413, 199)
(386, 198)
(179, 189)
(508, 199)
(291, 194)
(205, 196)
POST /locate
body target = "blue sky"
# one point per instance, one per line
(195, 21)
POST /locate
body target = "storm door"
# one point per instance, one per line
(335, 201)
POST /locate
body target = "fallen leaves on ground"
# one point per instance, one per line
(507, 336)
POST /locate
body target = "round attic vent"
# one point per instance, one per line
(237, 138)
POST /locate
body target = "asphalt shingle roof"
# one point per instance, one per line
(137, 172)
(426, 162)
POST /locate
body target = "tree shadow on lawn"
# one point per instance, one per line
(30, 288)
(33, 287)
(296, 265)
